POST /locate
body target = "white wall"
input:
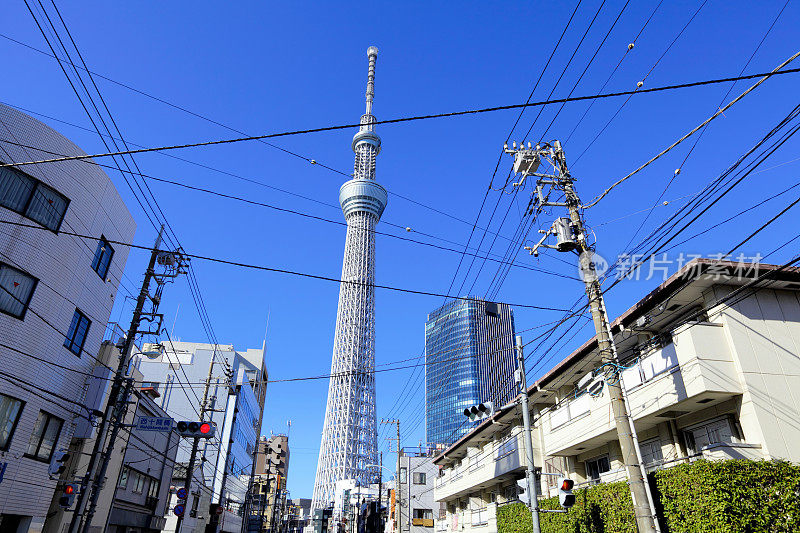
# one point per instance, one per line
(62, 264)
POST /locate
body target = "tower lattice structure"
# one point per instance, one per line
(349, 447)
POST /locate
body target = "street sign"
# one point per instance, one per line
(181, 494)
(179, 509)
(219, 510)
(154, 423)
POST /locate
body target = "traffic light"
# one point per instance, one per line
(196, 430)
(58, 463)
(565, 496)
(68, 495)
(480, 411)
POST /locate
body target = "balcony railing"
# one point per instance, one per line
(634, 375)
(480, 517)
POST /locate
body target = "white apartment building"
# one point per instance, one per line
(236, 401)
(414, 501)
(56, 293)
(711, 370)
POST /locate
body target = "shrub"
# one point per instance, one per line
(721, 496)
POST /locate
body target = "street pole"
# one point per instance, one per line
(530, 470)
(642, 499)
(398, 503)
(193, 455)
(116, 407)
(380, 490)
(528, 161)
(399, 482)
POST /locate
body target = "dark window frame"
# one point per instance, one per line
(139, 480)
(32, 194)
(30, 296)
(69, 342)
(122, 483)
(15, 424)
(50, 418)
(153, 487)
(99, 254)
(596, 461)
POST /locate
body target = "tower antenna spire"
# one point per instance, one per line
(372, 54)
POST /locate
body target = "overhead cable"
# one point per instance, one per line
(289, 133)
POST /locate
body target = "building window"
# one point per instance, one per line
(102, 257)
(480, 515)
(10, 410)
(44, 437)
(153, 489)
(123, 478)
(423, 514)
(32, 198)
(16, 291)
(651, 451)
(403, 474)
(419, 478)
(76, 335)
(597, 466)
(713, 432)
(138, 482)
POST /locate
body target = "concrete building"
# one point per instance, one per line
(56, 294)
(137, 491)
(141, 499)
(469, 358)
(236, 398)
(413, 500)
(711, 370)
(269, 486)
(299, 513)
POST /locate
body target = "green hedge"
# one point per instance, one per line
(720, 496)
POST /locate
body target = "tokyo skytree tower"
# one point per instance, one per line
(349, 448)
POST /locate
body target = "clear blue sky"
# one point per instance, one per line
(267, 67)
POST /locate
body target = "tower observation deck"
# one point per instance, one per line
(349, 447)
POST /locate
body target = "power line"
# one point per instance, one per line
(192, 280)
(308, 159)
(401, 227)
(494, 173)
(641, 82)
(614, 71)
(689, 134)
(700, 136)
(277, 270)
(717, 182)
(419, 117)
(310, 216)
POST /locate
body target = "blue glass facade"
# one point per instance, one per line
(469, 358)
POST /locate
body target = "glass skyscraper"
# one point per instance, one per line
(469, 359)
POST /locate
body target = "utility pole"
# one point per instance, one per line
(380, 490)
(117, 404)
(204, 407)
(530, 470)
(571, 235)
(398, 502)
